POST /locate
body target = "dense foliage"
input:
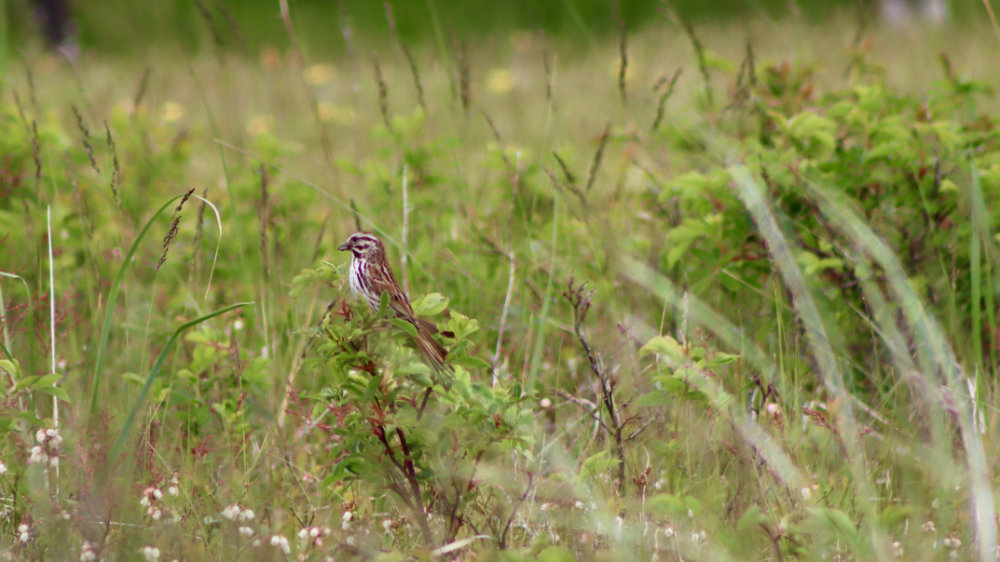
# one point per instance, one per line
(736, 313)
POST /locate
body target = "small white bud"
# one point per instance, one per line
(281, 543)
(38, 456)
(232, 512)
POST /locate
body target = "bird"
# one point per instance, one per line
(370, 275)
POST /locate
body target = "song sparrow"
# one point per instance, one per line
(371, 275)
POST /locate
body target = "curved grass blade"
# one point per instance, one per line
(5, 344)
(937, 359)
(123, 434)
(218, 244)
(828, 366)
(110, 305)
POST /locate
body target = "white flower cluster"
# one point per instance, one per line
(151, 500)
(281, 543)
(46, 452)
(173, 488)
(24, 533)
(952, 542)
(314, 535)
(237, 513)
(88, 552)
(242, 515)
(150, 553)
(151, 497)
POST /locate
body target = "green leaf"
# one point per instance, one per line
(894, 515)
(430, 304)
(556, 554)
(404, 325)
(720, 359)
(836, 521)
(666, 346)
(671, 505)
(415, 368)
(751, 520)
(653, 399)
(11, 366)
(469, 362)
(57, 391)
(680, 238)
(598, 463)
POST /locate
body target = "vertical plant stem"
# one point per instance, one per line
(52, 326)
(406, 225)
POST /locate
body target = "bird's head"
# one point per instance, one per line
(364, 245)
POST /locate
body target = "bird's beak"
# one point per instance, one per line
(345, 246)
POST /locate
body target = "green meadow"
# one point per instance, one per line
(711, 290)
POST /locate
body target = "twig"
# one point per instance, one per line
(579, 299)
(513, 511)
(589, 407)
(406, 224)
(411, 477)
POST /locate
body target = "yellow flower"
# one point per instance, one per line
(320, 74)
(259, 124)
(499, 81)
(171, 111)
(338, 114)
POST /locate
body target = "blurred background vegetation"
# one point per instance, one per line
(524, 164)
(124, 26)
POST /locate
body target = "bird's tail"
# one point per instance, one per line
(431, 349)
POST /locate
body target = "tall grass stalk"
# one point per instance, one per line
(109, 309)
(827, 362)
(939, 367)
(52, 324)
